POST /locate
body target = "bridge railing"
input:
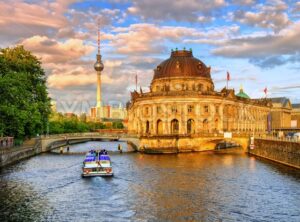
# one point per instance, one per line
(276, 138)
(88, 134)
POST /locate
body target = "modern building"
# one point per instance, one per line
(183, 102)
(109, 113)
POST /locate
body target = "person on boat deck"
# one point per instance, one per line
(103, 152)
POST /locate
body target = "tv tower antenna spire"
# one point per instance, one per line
(98, 27)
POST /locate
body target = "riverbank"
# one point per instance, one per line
(14, 154)
(284, 152)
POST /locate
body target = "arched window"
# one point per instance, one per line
(174, 126)
(159, 127)
(190, 126)
(200, 87)
(147, 127)
(205, 125)
(216, 123)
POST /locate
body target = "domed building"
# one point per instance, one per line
(182, 106)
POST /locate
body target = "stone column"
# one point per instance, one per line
(183, 119)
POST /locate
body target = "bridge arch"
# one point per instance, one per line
(211, 143)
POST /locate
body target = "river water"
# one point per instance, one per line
(207, 186)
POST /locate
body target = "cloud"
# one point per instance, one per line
(179, 10)
(271, 16)
(290, 86)
(213, 36)
(62, 81)
(268, 62)
(296, 8)
(53, 51)
(263, 50)
(25, 19)
(235, 79)
(146, 38)
(138, 39)
(244, 2)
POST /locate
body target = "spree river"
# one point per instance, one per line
(206, 186)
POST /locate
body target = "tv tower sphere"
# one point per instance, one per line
(99, 65)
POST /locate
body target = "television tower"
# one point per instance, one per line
(99, 67)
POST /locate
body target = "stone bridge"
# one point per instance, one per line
(54, 141)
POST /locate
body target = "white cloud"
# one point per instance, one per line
(23, 19)
(180, 10)
(51, 50)
(267, 50)
(244, 2)
(149, 38)
(273, 16)
(284, 43)
(296, 8)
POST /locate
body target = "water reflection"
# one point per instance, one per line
(16, 196)
(225, 186)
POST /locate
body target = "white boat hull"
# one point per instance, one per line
(97, 174)
(87, 172)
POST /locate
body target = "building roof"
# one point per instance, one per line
(296, 105)
(282, 100)
(242, 94)
(182, 63)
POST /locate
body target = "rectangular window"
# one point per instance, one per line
(217, 109)
(147, 110)
(174, 109)
(158, 110)
(206, 109)
(190, 109)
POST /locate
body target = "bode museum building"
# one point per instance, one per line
(182, 106)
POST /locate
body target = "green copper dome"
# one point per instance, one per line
(242, 94)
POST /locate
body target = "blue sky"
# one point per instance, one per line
(256, 41)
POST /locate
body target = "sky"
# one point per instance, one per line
(257, 42)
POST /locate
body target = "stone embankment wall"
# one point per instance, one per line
(285, 152)
(14, 154)
(180, 144)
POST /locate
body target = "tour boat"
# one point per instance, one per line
(97, 164)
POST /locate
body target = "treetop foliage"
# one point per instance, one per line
(24, 102)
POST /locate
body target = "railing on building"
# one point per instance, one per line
(276, 138)
(137, 95)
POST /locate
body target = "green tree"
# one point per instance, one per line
(117, 125)
(24, 104)
(83, 117)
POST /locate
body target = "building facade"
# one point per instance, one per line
(281, 113)
(295, 116)
(182, 101)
